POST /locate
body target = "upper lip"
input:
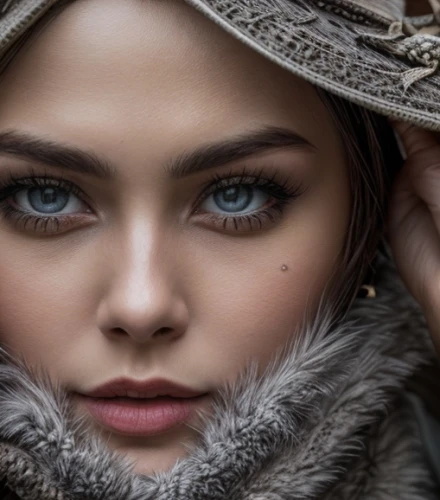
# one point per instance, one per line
(125, 387)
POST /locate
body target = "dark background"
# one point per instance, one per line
(418, 7)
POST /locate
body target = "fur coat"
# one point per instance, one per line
(330, 419)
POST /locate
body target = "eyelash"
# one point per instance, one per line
(281, 192)
(41, 224)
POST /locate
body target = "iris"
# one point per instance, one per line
(47, 200)
(234, 198)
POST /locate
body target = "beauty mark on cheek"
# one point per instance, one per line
(284, 267)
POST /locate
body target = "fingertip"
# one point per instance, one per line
(414, 138)
(400, 127)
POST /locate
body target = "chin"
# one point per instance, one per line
(151, 461)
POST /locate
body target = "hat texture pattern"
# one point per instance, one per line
(366, 51)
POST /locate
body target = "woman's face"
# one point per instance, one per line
(177, 204)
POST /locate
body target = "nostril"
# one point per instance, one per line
(118, 331)
(163, 331)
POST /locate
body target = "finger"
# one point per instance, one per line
(419, 181)
(427, 187)
(423, 152)
(403, 200)
(424, 180)
(415, 139)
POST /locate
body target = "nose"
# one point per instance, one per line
(142, 299)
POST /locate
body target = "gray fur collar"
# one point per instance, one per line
(327, 421)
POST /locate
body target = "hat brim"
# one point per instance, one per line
(326, 49)
(323, 47)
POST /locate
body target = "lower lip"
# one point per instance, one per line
(146, 417)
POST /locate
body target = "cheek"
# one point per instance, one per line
(254, 308)
(42, 302)
(255, 317)
(250, 305)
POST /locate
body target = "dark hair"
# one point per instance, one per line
(373, 159)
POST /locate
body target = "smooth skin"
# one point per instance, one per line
(137, 283)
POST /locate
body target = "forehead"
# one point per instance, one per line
(139, 67)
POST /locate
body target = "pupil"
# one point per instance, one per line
(48, 196)
(47, 200)
(231, 194)
(234, 198)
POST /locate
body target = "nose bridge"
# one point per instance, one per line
(142, 297)
(132, 250)
(142, 258)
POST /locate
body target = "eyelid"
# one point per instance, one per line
(14, 183)
(250, 176)
(279, 185)
(258, 218)
(66, 222)
(283, 191)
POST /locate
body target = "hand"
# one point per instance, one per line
(414, 223)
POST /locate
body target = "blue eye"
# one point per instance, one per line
(248, 201)
(47, 200)
(236, 199)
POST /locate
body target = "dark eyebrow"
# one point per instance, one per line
(209, 156)
(54, 154)
(242, 146)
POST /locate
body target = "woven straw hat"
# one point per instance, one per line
(366, 51)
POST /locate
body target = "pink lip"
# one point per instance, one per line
(160, 406)
(147, 388)
(145, 417)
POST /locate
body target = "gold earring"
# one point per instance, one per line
(368, 291)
